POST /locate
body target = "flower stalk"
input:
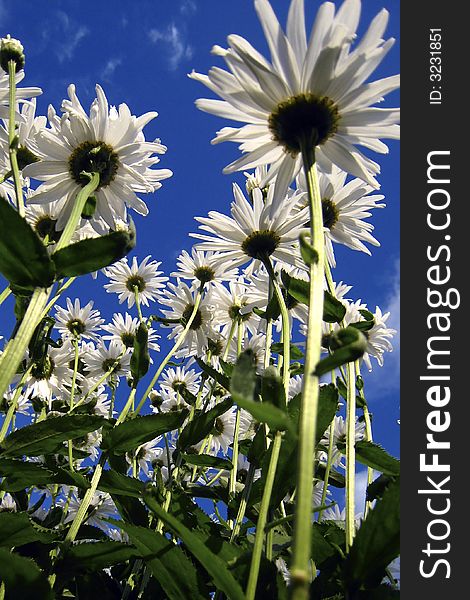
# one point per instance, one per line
(12, 137)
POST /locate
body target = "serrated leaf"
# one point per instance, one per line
(16, 529)
(23, 578)
(129, 435)
(206, 460)
(93, 254)
(95, 556)
(377, 542)
(272, 389)
(140, 359)
(120, 485)
(46, 436)
(202, 424)
(169, 565)
(377, 488)
(211, 562)
(295, 352)
(220, 378)
(376, 457)
(24, 260)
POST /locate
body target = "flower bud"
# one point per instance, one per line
(11, 49)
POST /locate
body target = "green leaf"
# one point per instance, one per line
(242, 388)
(205, 460)
(16, 529)
(327, 407)
(377, 488)
(93, 254)
(347, 344)
(202, 424)
(95, 556)
(333, 309)
(129, 435)
(272, 389)
(47, 436)
(120, 485)
(220, 378)
(22, 578)
(24, 260)
(336, 479)
(214, 565)
(295, 352)
(140, 359)
(367, 324)
(322, 548)
(21, 475)
(377, 542)
(169, 565)
(377, 458)
(308, 252)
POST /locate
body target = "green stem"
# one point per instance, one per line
(176, 345)
(127, 407)
(262, 518)
(137, 303)
(368, 436)
(233, 326)
(76, 523)
(14, 352)
(350, 456)
(14, 403)
(300, 568)
(4, 295)
(72, 395)
(12, 138)
(77, 210)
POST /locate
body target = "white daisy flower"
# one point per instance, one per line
(339, 516)
(52, 376)
(78, 322)
(123, 328)
(22, 94)
(180, 377)
(110, 142)
(255, 230)
(102, 359)
(203, 267)
(43, 219)
(339, 437)
(101, 507)
(146, 454)
(125, 280)
(231, 306)
(180, 300)
(7, 504)
(23, 402)
(345, 206)
(311, 90)
(378, 339)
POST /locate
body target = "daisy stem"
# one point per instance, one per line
(4, 295)
(77, 210)
(262, 518)
(229, 338)
(137, 303)
(72, 394)
(127, 407)
(13, 139)
(350, 455)
(368, 435)
(15, 349)
(57, 295)
(81, 513)
(96, 385)
(300, 568)
(13, 406)
(177, 344)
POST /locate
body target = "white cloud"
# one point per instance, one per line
(110, 67)
(63, 35)
(173, 38)
(188, 7)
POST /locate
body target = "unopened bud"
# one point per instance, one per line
(11, 49)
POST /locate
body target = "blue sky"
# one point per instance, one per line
(141, 52)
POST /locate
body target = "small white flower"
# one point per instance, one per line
(102, 360)
(78, 322)
(143, 279)
(204, 267)
(123, 328)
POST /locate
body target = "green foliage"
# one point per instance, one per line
(22, 577)
(347, 345)
(202, 424)
(140, 359)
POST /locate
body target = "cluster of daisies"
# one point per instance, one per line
(214, 305)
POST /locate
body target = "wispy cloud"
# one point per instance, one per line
(110, 67)
(177, 47)
(66, 34)
(188, 7)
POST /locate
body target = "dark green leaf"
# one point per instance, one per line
(216, 376)
(47, 436)
(272, 390)
(140, 359)
(377, 542)
(129, 435)
(377, 488)
(120, 485)
(17, 529)
(205, 460)
(347, 344)
(308, 252)
(327, 407)
(202, 424)
(336, 479)
(22, 578)
(214, 565)
(377, 458)
(24, 260)
(257, 448)
(295, 353)
(93, 254)
(333, 309)
(95, 556)
(242, 388)
(169, 565)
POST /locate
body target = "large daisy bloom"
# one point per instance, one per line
(109, 141)
(313, 89)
